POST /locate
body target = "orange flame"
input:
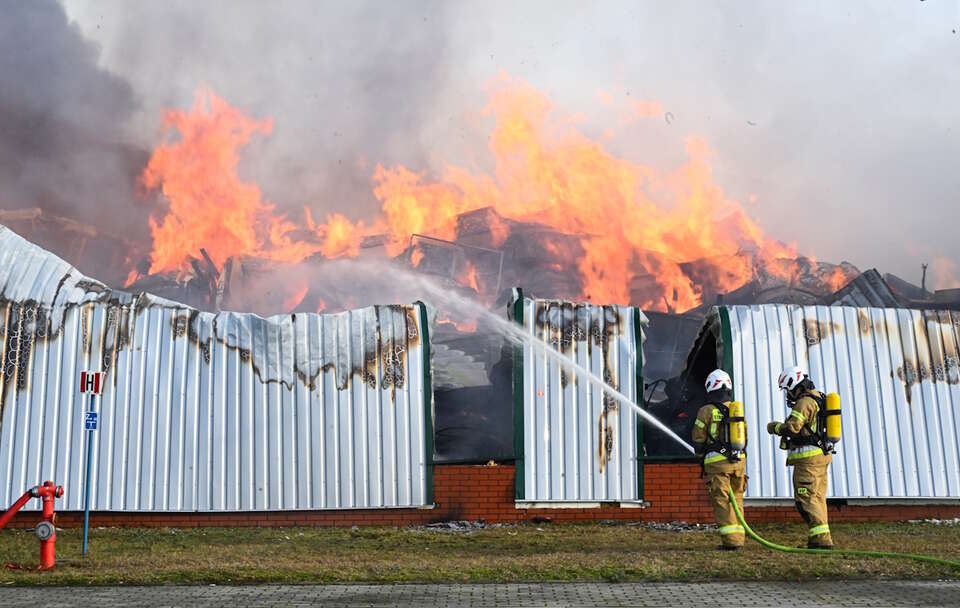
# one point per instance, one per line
(675, 231)
(132, 276)
(499, 230)
(637, 221)
(411, 207)
(296, 298)
(463, 326)
(210, 206)
(837, 278)
(342, 237)
(468, 278)
(416, 256)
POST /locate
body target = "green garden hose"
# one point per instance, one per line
(854, 552)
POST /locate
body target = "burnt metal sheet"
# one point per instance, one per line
(204, 411)
(867, 290)
(898, 376)
(579, 445)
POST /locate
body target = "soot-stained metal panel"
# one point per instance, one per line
(579, 443)
(898, 375)
(204, 411)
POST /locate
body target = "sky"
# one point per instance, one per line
(836, 125)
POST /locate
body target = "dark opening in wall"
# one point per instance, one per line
(676, 400)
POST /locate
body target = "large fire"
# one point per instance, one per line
(634, 223)
(209, 206)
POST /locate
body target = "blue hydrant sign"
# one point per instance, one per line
(90, 421)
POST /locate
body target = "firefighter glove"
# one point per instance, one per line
(773, 428)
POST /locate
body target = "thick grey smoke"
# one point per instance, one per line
(62, 120)
(347, 84)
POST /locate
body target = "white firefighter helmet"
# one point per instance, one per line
(717, 380)
(791, 377)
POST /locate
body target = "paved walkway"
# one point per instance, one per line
(674, 595)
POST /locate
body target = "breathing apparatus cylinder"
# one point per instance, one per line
(737, 427)
(834, 428)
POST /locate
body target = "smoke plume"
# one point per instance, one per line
(62, 143)
(348, 85)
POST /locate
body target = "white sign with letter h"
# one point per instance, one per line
(91, 383)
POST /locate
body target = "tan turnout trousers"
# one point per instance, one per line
(810, 494)
(809, 469)
(721, 478)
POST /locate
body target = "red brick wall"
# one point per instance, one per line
(675, 493)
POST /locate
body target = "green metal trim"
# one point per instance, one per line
(727, 339)
(638, 339)
(427, 399)
(518, 434)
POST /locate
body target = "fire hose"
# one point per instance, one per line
(852, 552)
(44, 529)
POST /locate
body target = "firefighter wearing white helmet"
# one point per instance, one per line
(804, 454)
(723, 454)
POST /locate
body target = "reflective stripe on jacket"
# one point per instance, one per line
(802, 452)
(802, 425)
(705, 429)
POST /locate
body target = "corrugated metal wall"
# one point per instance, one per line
(897, 374)
(577, 444)
(208, 412)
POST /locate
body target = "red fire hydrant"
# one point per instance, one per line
(45, 529)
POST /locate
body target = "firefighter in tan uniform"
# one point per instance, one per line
(805, 453)
(724, 466)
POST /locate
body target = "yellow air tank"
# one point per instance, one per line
(738, 428)
(833, 418)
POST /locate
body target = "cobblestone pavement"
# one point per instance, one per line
(675, 595)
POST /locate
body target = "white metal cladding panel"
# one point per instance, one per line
(898, 377)
(578, 445)
(28, 272)
(205, 412)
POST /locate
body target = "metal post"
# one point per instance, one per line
(86, 498)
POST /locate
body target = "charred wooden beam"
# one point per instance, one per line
(223, 285)
(213, 267)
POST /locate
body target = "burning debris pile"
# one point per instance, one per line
(537, 257)
(533, 255)
(557, 214)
